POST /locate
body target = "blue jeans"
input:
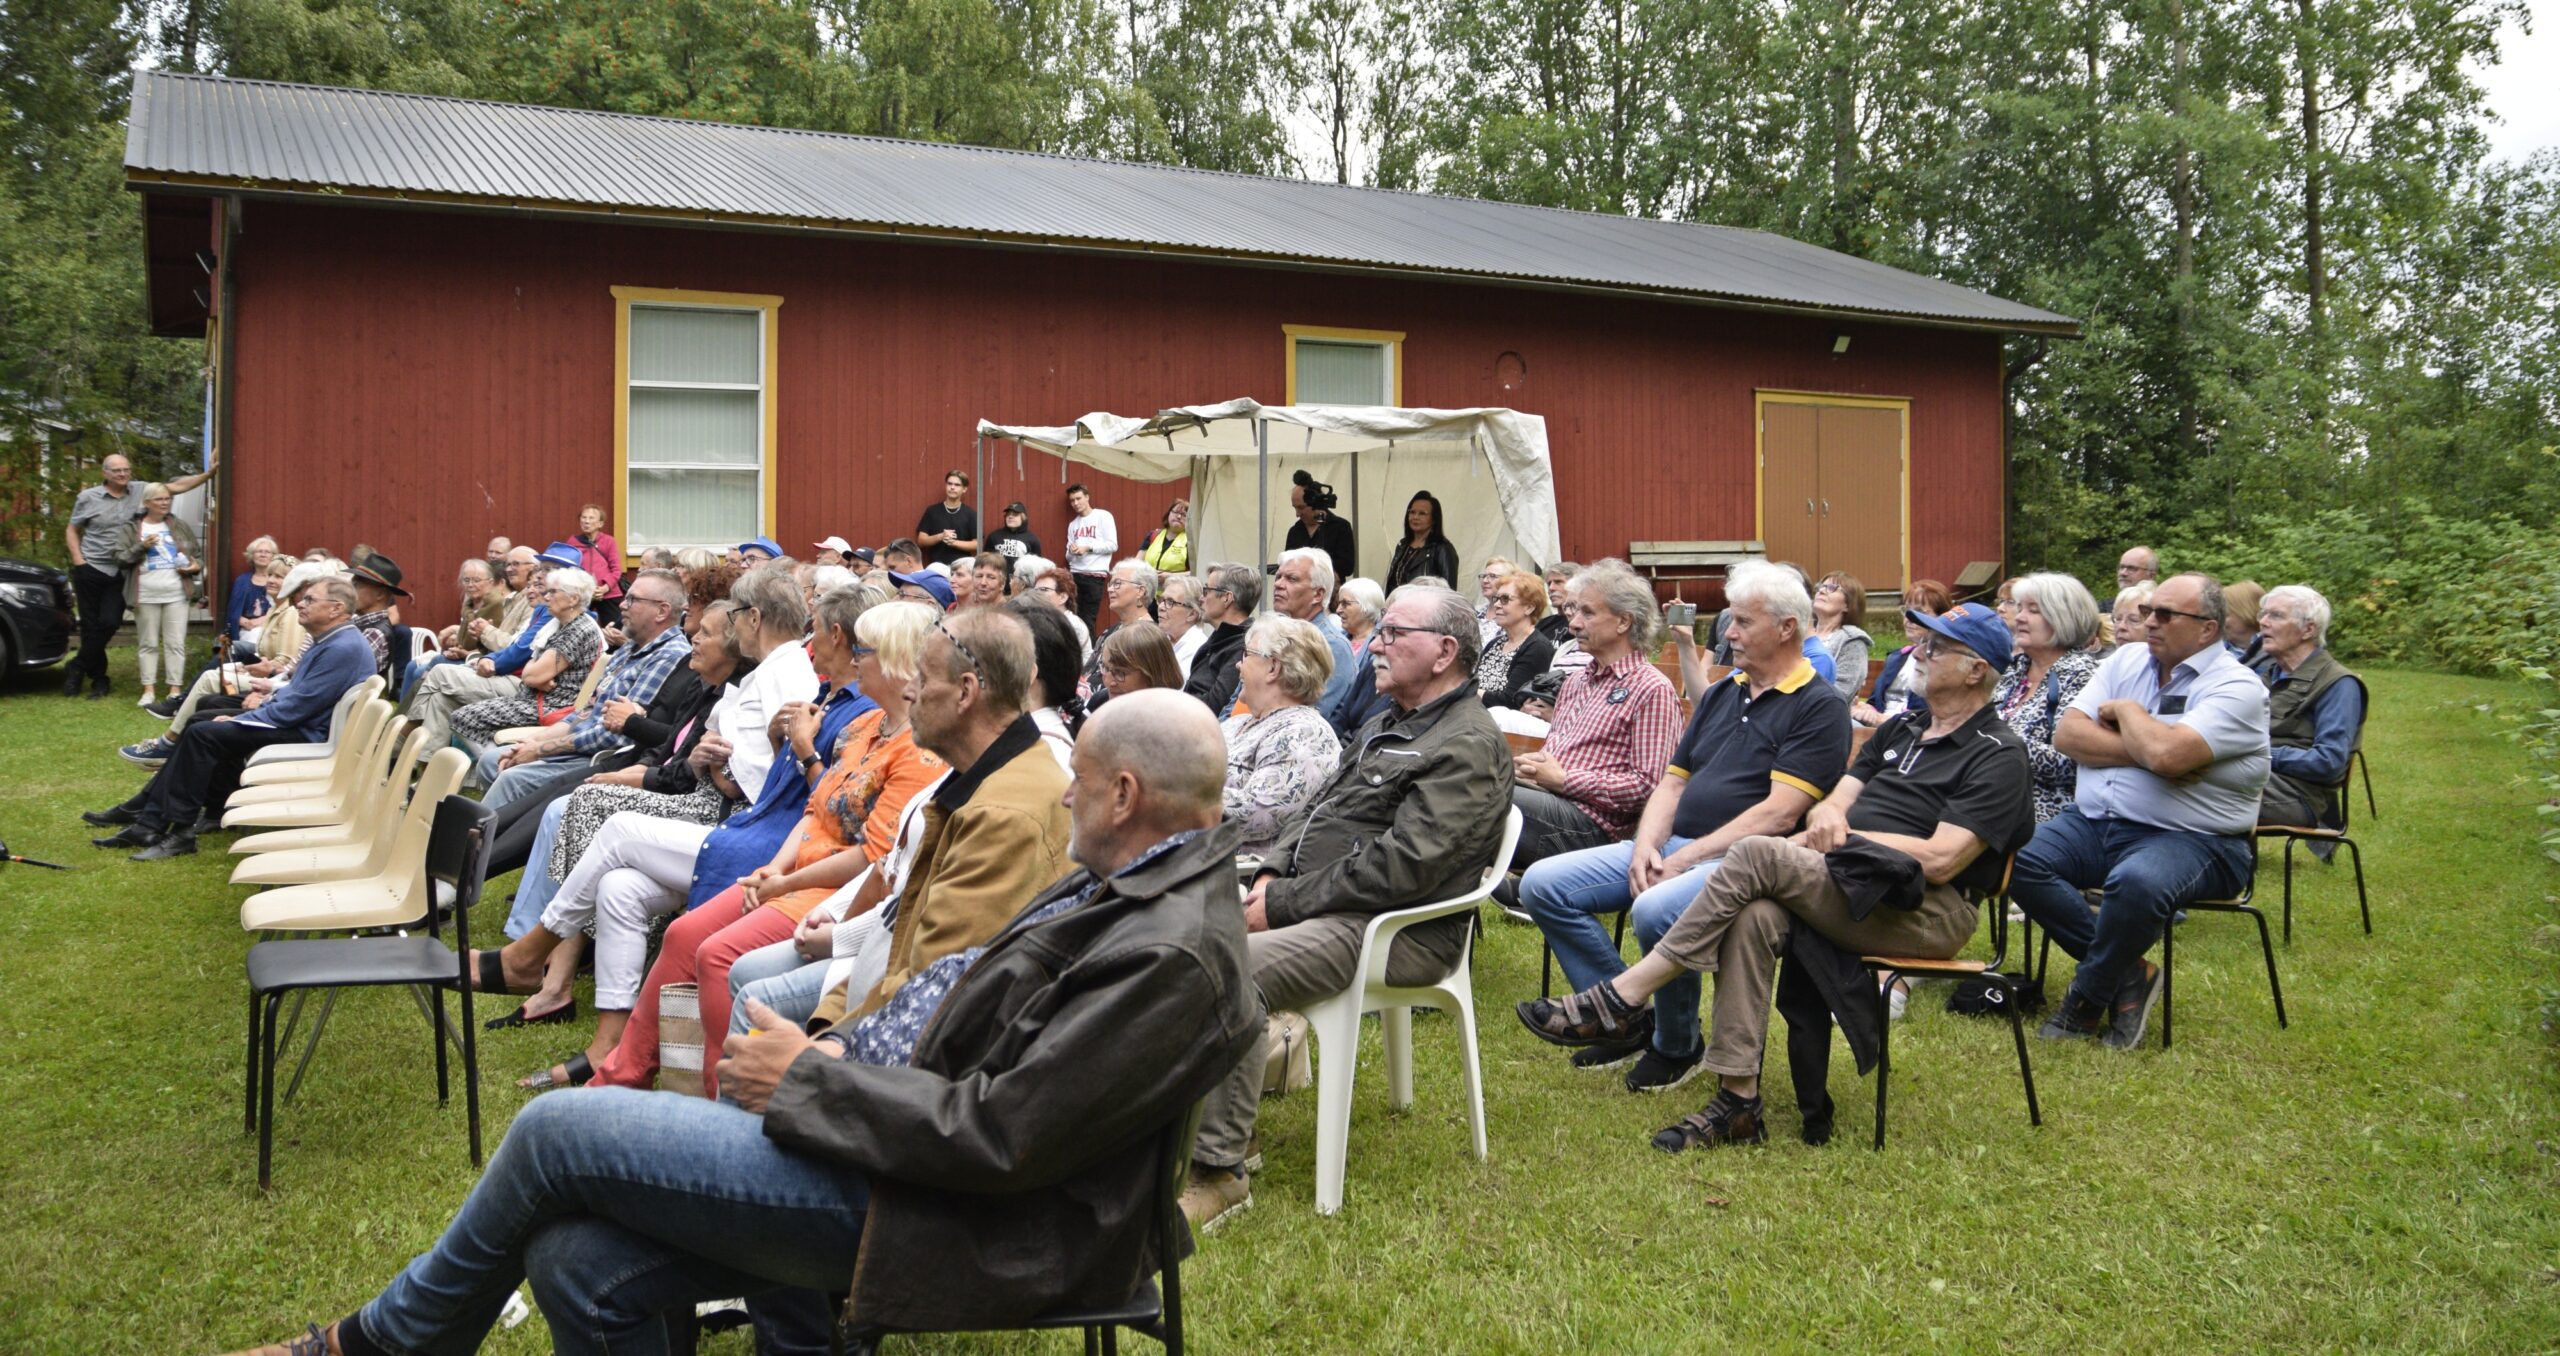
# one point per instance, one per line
(509, 785)
(2148, 874)
(611, 1201)
(1566, 896)
(535, 887)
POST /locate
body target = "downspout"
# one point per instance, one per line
(226, 338)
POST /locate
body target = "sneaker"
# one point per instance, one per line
(1728, 1119)
(1658, 1072)
(1897, 1000)
(71, 684)
(1252, 1153)
(149, 753)
(1612, 1054)
(147, 698)
(98, 690)
(1213, 1195)
(2074, 1019)
(167, 707)
(2131, 1014)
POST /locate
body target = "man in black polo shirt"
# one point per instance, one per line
(1760, 750)
(1951, 790)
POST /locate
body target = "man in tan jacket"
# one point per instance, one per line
(995, 832)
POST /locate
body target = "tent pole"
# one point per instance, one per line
(980, 484)
(1356, 511)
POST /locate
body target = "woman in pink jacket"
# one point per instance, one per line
(600, 555)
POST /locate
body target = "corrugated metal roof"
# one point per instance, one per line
(195, 129)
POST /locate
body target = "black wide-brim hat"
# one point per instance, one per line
(377, 568)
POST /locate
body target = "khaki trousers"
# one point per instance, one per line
(448, 688)
(1299, 964)
(1738, 926)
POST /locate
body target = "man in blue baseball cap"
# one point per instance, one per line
(1930, 809)
(755, 551)
(924, 586)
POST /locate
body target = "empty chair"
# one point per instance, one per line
(329, 802)
(389, 898)
(391, 829)
(1335, 1023)
(455, 857)
(355, 697)
(295, 781)
(382, 792)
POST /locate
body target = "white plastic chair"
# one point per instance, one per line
(288, 805)
(375, 808)
(369, 851)
(273, 754)
(395, 896)
(1335, 1023)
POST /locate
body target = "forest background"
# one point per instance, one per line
(2321, 315)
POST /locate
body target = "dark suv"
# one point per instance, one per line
(35, 616)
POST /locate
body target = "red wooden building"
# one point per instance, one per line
(434, 320)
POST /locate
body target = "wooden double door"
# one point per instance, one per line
(1834, 485)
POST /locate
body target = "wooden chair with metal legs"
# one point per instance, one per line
(2239, 903)
(1888, 969)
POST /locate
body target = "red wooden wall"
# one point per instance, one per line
(422, 380)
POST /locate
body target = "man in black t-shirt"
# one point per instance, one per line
(948, 531)
(1951, 790)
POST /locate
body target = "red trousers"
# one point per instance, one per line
(699, 949)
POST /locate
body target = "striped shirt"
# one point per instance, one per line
(1613, 731)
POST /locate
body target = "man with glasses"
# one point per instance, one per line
(1414, 814)
(2138, 565)
(653, 648)
(204, 767)
(1936, 802)
(1228, 595)
(2171, 739)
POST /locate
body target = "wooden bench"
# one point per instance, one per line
(1692, 559)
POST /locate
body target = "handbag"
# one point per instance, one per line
(862, 955)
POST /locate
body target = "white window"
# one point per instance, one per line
(697, 431)
(1344, 367)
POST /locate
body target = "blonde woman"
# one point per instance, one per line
(165, 560)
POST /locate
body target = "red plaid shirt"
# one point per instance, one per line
(1613, 733)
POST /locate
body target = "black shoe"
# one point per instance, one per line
(1658, 1072)
(114, 816)
(206, 824)
(2130, 1014)
(1615, 1053)
(1727, 1120)
(98, 690)
(71, 684)
(130, 836)
(175, 843)
(167, 708)
(2074, 1019)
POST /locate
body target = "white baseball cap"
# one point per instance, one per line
(836, 544)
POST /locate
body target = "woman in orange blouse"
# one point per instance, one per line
(851, 821)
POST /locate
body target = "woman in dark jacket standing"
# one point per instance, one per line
(1423, 549)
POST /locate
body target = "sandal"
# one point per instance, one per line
(574, 1073)
(1591, 1017)
(566, 1012)
(1727, 1119)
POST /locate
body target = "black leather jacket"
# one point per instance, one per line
(1011, 1163)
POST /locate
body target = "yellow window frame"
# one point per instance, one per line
(624, 298)
(1393, 340)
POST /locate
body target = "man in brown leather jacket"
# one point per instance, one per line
(977, 1172)
(1414, 813)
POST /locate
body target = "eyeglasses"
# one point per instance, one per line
(1388, 633)
(1935, 646)
(866, 651)
(976, 669)
(2150, 613)
(1218, 588)
(1265, 656)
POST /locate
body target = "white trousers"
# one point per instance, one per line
(638, 866)
(160, 634)
(448, 688)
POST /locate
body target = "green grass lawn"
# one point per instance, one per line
(2383, 1175)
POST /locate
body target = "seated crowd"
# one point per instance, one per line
(975, 894)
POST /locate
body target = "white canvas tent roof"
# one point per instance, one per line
(1489, 468)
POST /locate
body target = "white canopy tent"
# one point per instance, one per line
(1489, 468)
